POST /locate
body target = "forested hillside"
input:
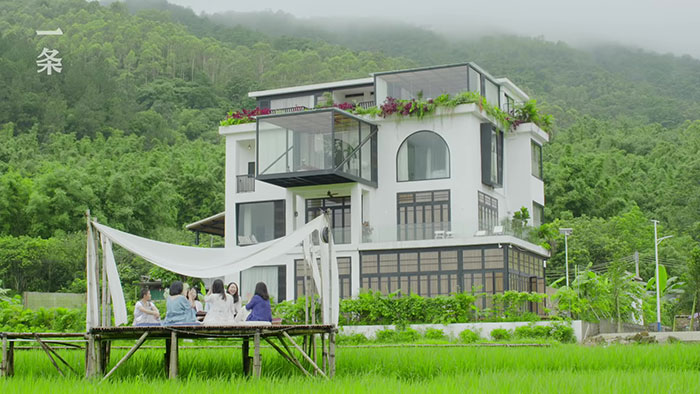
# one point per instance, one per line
(129, 128)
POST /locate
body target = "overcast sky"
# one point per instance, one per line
(662, 26)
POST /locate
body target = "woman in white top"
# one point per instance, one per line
(221, 306)
(145, 312)
(232, 289)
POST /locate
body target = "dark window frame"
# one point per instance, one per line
(534, 146)
(449, 157)
(488, 133)
(279, 221)
(421, 205)
(487, 211)
(345, 205)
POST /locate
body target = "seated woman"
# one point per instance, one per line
(145, 311)
(232, 289)
(179, 310)
(221, 306)
(259, 305)
(192, 297)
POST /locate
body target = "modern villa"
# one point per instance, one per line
(418, 204)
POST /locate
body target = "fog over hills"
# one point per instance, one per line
(660, 26)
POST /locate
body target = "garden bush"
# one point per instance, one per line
(351, 339)
(469, 336)
(501, 334)
(559, 331)
(563, 332)
(434, 333)
(393, 336)
(14, 318)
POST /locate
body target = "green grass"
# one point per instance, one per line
(564, 368)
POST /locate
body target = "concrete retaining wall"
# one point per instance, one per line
(581, 329)
(36, 300)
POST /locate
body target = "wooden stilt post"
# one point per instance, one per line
(172, 371)
(91, 357)
(245, 350)
(99, 356)
(324, 354)
(10, 371)
(3, 366)
(166, 357)
(331, 354)
(7, 368)
(256, 356)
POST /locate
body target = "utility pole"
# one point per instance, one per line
(657, 241)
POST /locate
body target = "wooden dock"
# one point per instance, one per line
(295, 343)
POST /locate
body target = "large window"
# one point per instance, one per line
(488, 212)
(423, 155)
(491, 155)
(537, 214)
(441, 271)
(274, 276)
(536, 158)
(344, 271)
(340, 215)
(259, 221)
(423, 215)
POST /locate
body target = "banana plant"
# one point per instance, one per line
(670, 288)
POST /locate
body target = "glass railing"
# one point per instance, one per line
(438, 230)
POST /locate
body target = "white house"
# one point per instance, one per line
(420, 205)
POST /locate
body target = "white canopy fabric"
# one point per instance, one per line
(203, 263)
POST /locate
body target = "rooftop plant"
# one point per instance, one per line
(243, 116)
(420, 107)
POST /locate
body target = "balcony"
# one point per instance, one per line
(315, 148)
(245, 183)
(439, 230)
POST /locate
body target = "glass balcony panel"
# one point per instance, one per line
(274, 157)
(492, 93)
(474, 80)
(318, 147)
(347, 139)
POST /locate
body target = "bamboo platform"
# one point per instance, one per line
(302, 354)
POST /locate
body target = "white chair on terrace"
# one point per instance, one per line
(439, 234)
(498, 230)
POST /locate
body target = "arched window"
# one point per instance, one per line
(423, 155)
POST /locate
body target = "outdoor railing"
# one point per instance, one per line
(245, 183)
(287, 110)
(437, 230)
(366, 104)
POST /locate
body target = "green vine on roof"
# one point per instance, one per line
(525, 113)
(419, 108)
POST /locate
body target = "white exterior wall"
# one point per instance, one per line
(461, 131)
(521, 187)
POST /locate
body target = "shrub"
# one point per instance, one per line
(469, 336)
(434, 333)
(563, 332)
(386, 336)
(524, 332)
(392, 336)
(501, 334)
(408, 335)
(351, 339)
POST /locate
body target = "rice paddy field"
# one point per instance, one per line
(555, 369)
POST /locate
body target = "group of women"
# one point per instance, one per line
(222, 306)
